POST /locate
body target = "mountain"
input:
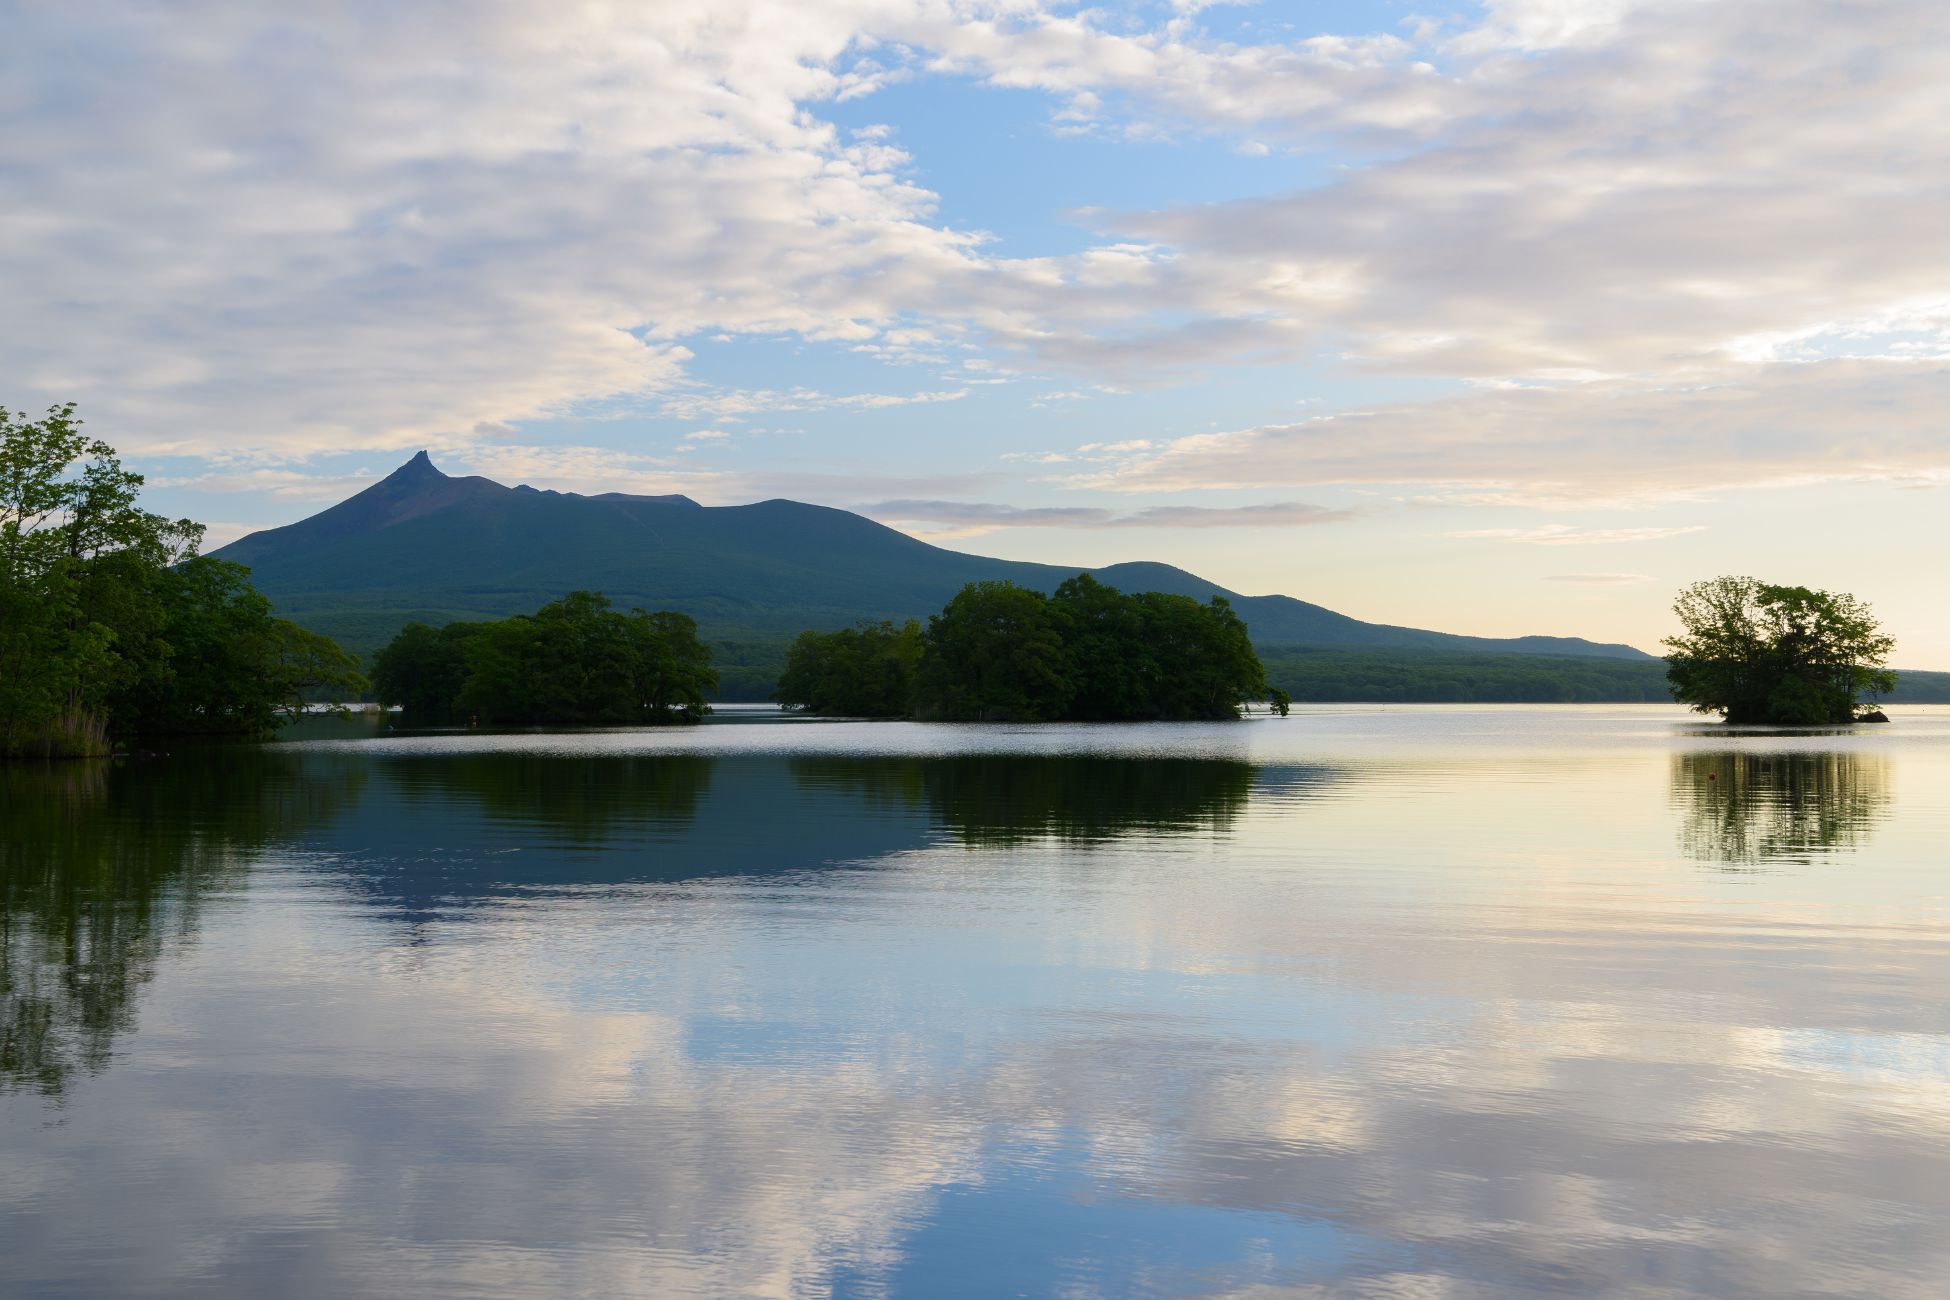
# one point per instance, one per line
(421, 545)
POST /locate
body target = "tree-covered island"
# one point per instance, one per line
(575, 661)
(113, 627)
(1757, 652)
(1000, 652)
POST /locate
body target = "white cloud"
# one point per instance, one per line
(969, 518)
(361, 226)
(1565, 535)
(1617, 442)
(357, 225)
(736, 404)
(1600, 579)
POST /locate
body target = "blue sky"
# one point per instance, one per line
(1499, 319)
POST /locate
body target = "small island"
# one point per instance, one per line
(999, 652)
(1759, 653)
(573, 662)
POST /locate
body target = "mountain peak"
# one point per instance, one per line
(419, 468)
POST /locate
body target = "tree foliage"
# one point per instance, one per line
(1758, 652)
(111, 624)
(1001, 652)
(575, 661)
(859, 672)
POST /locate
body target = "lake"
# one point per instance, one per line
(1365, 1001)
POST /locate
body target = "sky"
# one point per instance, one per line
(1501, 319)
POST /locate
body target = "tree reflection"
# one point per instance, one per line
(106, 868)
(1749, 809)
(581, 800)
(1002, 799)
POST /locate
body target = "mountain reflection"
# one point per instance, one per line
(106, 868)
(109, 868)
(1749, 809)
(443, 831)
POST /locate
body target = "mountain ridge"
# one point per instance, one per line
(421, 545)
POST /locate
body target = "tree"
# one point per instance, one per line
(575, 661)
(1758, 652)
(311, 668)
(858, 672)
(422, 670)
(995, 654)
(1107, 655)
(111, 624)
(1201, 658)
(999, 652)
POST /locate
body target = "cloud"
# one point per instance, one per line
(1614, 442)
(360, 226)
(1563, 535)
(1600, 579)
(967, 518)
(355, 225)
(1591, 189)
(736, 404)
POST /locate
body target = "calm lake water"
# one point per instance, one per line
(1422, 1002)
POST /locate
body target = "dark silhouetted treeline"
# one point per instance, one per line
(575, 661)
(1000, 652)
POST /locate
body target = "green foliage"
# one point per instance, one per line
(1757, 652)
(112, 625)
(575, 661)
(995, 653)
(1000, 652)
(862, 672)
(1195, 661)
(423, 669)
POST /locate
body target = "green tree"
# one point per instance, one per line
(1108, 657)
(574, 662)
(669, 667)
(1758, 652)
(1203, 661)
(999, 652)
(422, 670)
(311, 668)
(858, 672)
(110, 622)
(995, 653)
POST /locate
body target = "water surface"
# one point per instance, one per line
(1428, 1001)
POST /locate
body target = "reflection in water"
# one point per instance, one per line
(437, 833)
(107, 865)
(1744, 809)
(104, 868)
(866, 1024)
(1003, 799)
(578, 800)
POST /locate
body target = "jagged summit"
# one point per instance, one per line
(420, 467)
(424, 545)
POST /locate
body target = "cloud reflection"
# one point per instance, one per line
(105, 871)
(1462, 1029)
